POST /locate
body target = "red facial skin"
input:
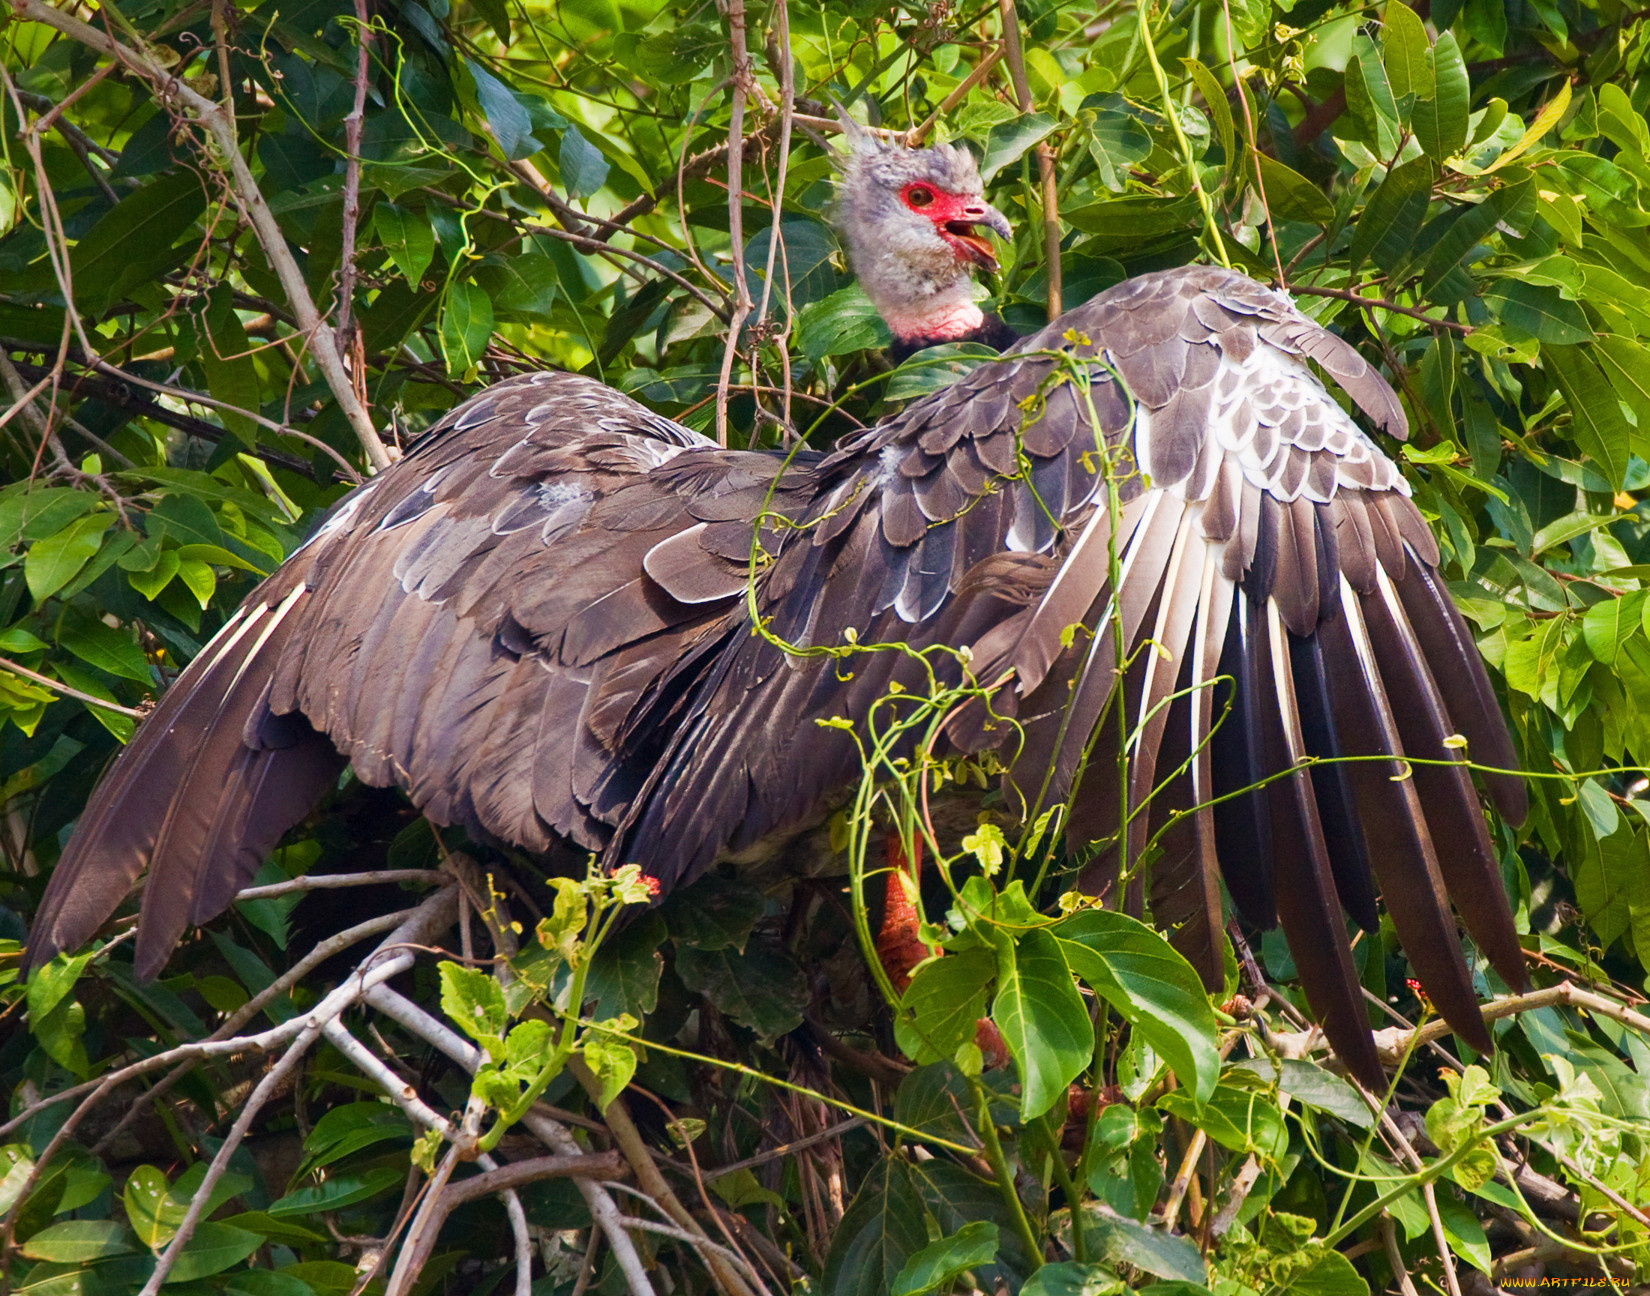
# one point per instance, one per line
(954, 216)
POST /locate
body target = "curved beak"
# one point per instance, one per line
(961, 229)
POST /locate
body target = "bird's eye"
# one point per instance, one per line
(919, 196)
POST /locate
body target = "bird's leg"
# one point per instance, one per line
(898, 944)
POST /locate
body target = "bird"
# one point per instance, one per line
(563, 618)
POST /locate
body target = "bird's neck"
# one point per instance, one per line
(953, 321)
(972, 326)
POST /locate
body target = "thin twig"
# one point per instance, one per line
(346, 331)
(332, 881)
(917, 134)
(602, 1207)
(741, 80)
(629, 1139)
(1379, 303)
(1045, 155)
(57, 686)
(251, 1008)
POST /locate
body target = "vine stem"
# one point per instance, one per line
(1005, 1178)
(1203, 201)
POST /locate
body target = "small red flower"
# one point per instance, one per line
(651, 883)
(1418, 990)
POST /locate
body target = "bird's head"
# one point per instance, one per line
(913, 221)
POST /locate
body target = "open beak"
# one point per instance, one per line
(962, 233)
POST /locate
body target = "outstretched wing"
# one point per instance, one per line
(539, 625)
(1279, 605)
(473, 625)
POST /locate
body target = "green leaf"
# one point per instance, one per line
(1404, 50)
(762, 988)
(956, 1198)
(1539, 311)
(1068, 1278)
(466, 326)
(613, 1062)
(54, 560)
(1238, 1117)
(624, 977)
(224, 352)
(1327, 1273)
(1440, 117)
(1612, 194)
(1042, 1018)
(78, 1241)
(1007, 141)
(1626, 363)
(1134, 217)
(1291, 195)
(946, 999)
(214, 1248)
(1214, 99)
(475, 1001)
(104, 647)
(840, 324)
(1156, 990)
(339, 1191)
(1152, 1249)
(1609, 622)
(407, 237)
(879, 1232)
(942, 1262)
(583, 168)
(29, 514)
(1463, 1231)
(1391, 221)
(939, 1100)
(507, 121)
(154, 1215)
(349, 1128)
(1369, 98)
(714, 913)
(1514, 205)
(132, 243)
(1597, 425)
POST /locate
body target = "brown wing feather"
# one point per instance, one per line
(536, 623)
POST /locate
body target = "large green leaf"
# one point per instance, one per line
(1152, 1249)
(760, 987)
(1240, 1117)
(879, 1233)
(1404, 50)
(1596, 421)
(1538, 310)
(946, 1259)
(1391, 220)
(54, 560)
(133, 242)
(1042, 1018)
(79, 1241)
(1157, 992)
(466, 326)
(946, 999)
(1007, 141)
(1440, 117)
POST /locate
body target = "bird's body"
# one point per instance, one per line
(542, 624)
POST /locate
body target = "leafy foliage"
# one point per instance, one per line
(267, 230)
